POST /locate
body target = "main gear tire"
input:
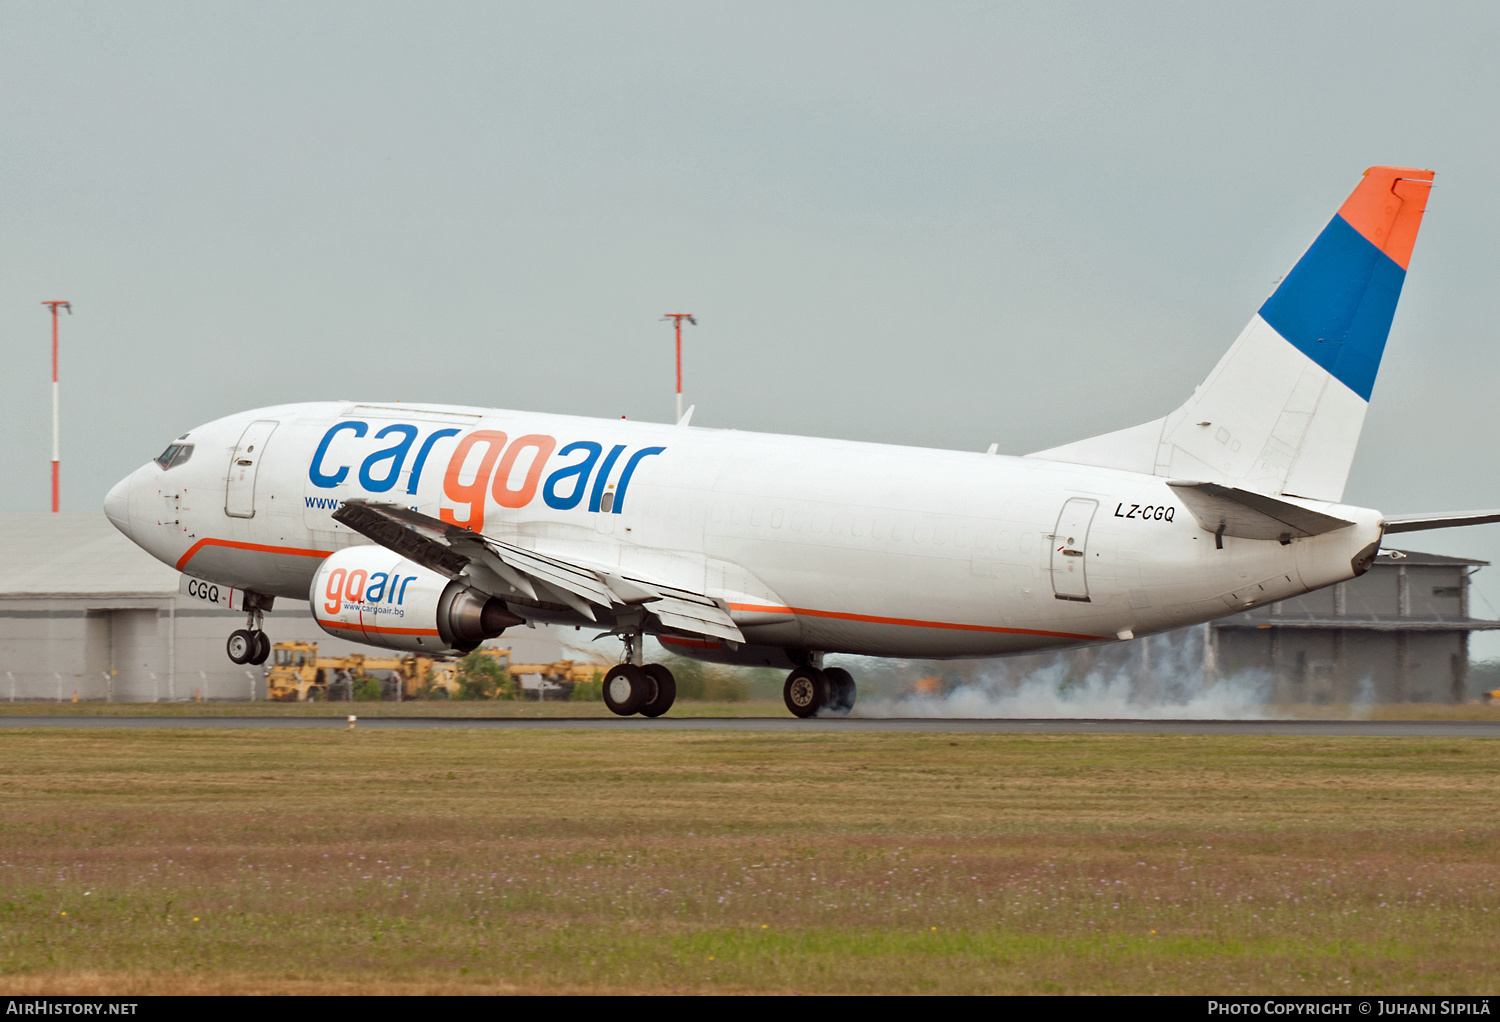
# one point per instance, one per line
(241, 646)
(666, 691)
(262, 649)
(842, 691)
(805, 691)
(627, 688)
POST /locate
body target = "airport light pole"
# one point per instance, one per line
(677, 318)
(54, 304)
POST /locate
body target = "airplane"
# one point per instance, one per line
(432, 528)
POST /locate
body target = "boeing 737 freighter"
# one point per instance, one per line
(432, 528)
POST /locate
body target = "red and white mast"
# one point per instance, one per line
(55, 442)
(677, 318)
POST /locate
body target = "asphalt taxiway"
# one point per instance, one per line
(946, 725)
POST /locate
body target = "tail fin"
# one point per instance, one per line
(1282, 411)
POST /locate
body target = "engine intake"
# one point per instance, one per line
(370, 595)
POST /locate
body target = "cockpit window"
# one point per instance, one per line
(175, 455)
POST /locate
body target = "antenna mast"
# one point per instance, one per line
(54, 304)
(677, 318)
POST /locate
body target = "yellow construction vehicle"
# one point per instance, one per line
(297, 673)
(564, 673)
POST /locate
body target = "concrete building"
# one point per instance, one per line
(83, 609)
(1399, 633)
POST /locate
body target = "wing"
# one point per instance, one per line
(517, 574)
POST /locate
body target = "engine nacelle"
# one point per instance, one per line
(370, 595)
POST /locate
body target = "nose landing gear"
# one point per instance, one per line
(249, 645)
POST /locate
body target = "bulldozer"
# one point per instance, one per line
(298, 673)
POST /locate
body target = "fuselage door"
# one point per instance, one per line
(244, 464)
(1070, 549)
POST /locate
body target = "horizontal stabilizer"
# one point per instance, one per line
(1421, 523)
(1245, 514)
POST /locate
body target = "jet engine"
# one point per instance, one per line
(370, 595)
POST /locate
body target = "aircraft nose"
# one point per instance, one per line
(117, 505)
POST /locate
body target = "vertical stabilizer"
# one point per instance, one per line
(1283, 409)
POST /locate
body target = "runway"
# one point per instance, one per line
(936, 725)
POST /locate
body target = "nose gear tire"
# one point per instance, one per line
(627, 688)
(666, 691)
(241, 646)
(262, 649)
(806, 691)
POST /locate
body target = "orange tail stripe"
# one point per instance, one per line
(1387, 207)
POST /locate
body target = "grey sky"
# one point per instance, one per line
(939, 224)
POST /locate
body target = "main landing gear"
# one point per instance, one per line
(809, 690)
(249, 645)
(634, 687)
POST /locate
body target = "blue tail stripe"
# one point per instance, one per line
(1337, 304)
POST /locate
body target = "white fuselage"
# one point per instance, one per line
(814, 544)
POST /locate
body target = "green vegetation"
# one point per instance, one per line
(701, 682)
(482, 677)
(365, 688)
(590, 691)
(430, 689)
(189, 861)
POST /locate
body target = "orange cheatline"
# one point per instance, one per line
(1387, 209)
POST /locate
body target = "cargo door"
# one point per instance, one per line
(1070, 550)
(244, 465)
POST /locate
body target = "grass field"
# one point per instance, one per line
(473, 861)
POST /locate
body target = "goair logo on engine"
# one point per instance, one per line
(484, 465)
(380, 593)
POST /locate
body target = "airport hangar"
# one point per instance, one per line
(83, 609)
